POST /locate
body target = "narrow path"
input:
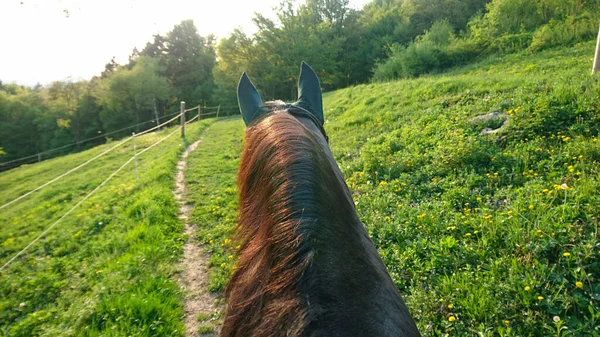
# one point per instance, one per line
(199, 302)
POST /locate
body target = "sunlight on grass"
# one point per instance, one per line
(107, 269)
(489, 235)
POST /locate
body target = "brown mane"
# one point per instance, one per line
(306, 265)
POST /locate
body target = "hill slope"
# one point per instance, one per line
(106, 269)
(495, 234)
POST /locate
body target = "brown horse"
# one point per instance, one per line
(307, 266)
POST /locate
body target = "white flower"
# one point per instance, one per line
(556, 319)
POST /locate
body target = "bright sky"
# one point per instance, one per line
(40, 42)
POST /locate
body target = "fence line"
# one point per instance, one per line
(194, 108)
(84, 164)
(84, 141)
(66, 173)
(83, 200)
(158, 126)
(191, 120)
(37, 155)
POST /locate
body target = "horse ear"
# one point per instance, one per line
(309, 91)
(249, 99)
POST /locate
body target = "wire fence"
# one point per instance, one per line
(85, 198)
(134, 157)
(40, 155)
(184, 122)
(86, 162)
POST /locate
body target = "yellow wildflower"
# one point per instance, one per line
(451, 318)
(579, 284)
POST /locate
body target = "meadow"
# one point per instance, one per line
(487, 235)
(108, 269)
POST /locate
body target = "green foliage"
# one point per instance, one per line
(189, 60)
(427, 54)
(564, 33)
(506, 26)
(129, 94)
(170, 69)
(108, 269)
(506, 17)
(483, 235)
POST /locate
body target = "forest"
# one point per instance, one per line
(383, 41)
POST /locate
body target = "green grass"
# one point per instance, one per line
(483, 235)
(210, 178)
(490, 236)
(108, 268)
(474, 230)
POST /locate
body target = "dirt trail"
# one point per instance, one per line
(194, 277)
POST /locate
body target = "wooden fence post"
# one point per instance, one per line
(199, 107)
(135, 156)
(597, 56)
(218, 109)
(156, 112)
(182, 119)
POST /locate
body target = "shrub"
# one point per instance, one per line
(564, 33)
(427, 54)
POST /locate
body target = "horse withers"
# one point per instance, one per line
(307, 266)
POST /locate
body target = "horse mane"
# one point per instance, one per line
(297, 227)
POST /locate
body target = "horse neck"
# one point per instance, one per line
(298, 230)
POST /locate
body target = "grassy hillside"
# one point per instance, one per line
(484, 235)
(107, 269)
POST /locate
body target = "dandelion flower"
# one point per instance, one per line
(451, 318)
(579, 284)
(540, 298)
(556, 319)
(450, 306)
(527, 288)
(566, 254)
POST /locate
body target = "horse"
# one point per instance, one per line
(306, 266)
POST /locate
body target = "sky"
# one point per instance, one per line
(46, 40)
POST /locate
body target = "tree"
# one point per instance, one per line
(128, 95)
(66, 93)
(190, 59)
(109, 68)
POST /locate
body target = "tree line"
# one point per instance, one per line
(385, 40)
